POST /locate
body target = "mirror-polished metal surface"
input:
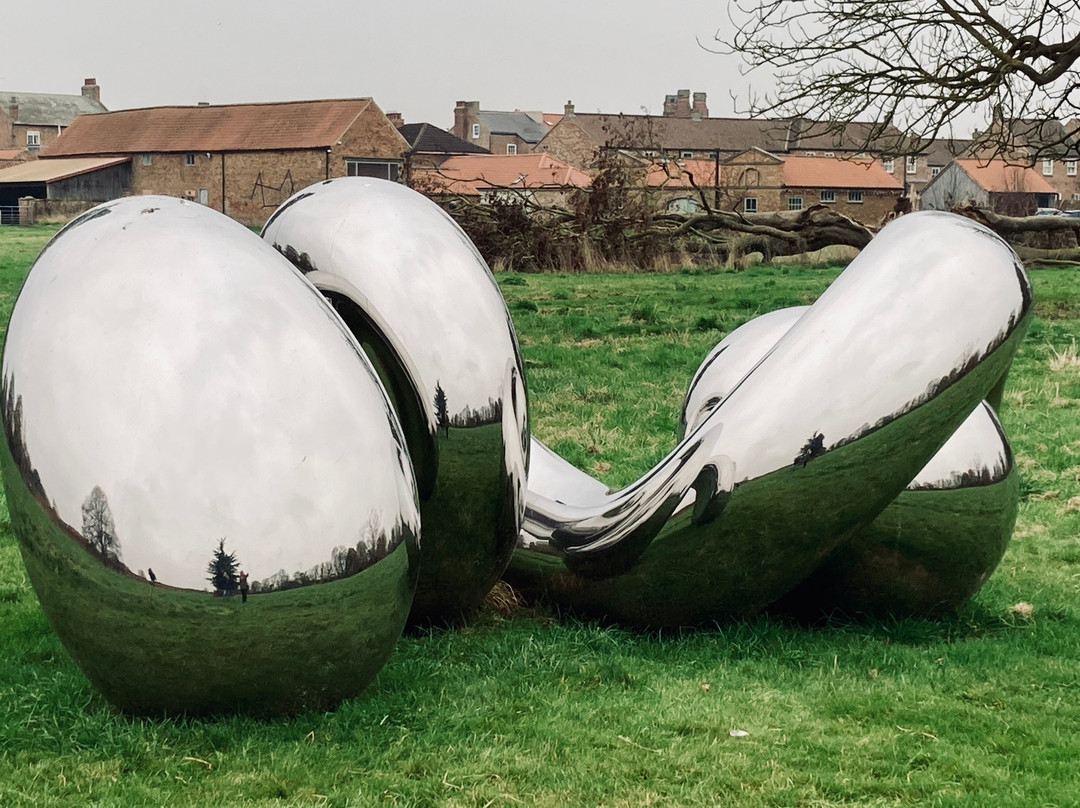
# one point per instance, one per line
(421, 300)
(935, 545)
(932, 548)
(210, 490)
(804, 450)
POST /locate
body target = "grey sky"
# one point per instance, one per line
(417, 58)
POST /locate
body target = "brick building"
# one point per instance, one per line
(514, 132)
(538, 178)
(29, 122)
(756, 181)
(242, 159)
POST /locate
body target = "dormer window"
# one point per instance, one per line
(511, 148)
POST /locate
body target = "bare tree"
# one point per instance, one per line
(98, 528)
(918, 66)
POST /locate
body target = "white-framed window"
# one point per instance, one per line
(475, 131)
(749, 204)
(382, 169)
(828, 195)
(147, 159)
(1076, 197)
(811, 154)
(830, 154)
(794, 203)
(911, 164)
(511, 148)
(189, 159)
(888, 164)
(1048, 167)
(1070, 168)
(686, 154)
(854, 196)
(33, 139)
(935, 170)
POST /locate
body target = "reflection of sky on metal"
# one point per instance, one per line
(931, 291)
(979, 444)
(418, 271)
(178, 362)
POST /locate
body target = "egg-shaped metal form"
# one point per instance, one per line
(210, 490)
(934, 546)
(805, 449)
(421, 300)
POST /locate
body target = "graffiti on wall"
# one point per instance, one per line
(270, 195)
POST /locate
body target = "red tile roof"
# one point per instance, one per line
(231, 127)
(470, 173)
(833, 172)
(999, 176)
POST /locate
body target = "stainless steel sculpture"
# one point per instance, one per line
(797, 449)
(421, 300)
(209, 487)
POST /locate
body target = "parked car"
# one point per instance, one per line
(1048, 212)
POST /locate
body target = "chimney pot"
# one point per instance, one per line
(568, 110)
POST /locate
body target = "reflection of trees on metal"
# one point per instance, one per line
(374, 545)
(223, 569)
(97, 524)
(15, 435)
(442, 420)
(490, 413)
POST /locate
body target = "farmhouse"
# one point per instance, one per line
(29, 122)
(242, 159)
(757, 181)
(1014, 190)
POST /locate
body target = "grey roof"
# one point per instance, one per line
(513, 123)
(424, 137)
(49, 109)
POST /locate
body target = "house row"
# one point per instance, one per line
(245, 159)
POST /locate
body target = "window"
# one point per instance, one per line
(911, 164)
(935, 170)
(811, 154)
(189, 159)
(828, 196)
(749, 204)
(686, 155)
(887, 164)
(1048, 167)
(830, 154)
(475, 131)
(1070, 168)
(147, 159)
(511, 148)
(33, 139)
(381, 169)
(794, 203)
(854, 196)
(1076, 197)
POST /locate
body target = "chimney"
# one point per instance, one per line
(465, 115)
(700, 110)
(669, 106)
(396, 119)
(568, 109)
(13, 109)
(91, 90)
(203, 104)
(682, 104)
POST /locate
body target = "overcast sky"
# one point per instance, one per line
(416, 57)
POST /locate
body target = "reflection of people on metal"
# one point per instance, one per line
(243, 586)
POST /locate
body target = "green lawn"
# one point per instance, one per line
(981, 708)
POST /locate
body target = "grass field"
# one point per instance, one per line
(982, 708)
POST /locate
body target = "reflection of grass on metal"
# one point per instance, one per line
(468, 494)
(152, 648)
